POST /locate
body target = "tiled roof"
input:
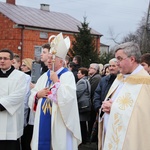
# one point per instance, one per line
(33, 17)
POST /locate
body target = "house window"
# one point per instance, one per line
(43, 35)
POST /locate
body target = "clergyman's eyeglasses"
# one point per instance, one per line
(119, 59)
(4, 58)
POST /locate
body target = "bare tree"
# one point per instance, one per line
(113, 37)
(140, 36)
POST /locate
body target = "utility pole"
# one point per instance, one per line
(146, 32)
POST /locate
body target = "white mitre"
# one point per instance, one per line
(59, 45)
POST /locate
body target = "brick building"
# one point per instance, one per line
(25, 29)
(104, 49)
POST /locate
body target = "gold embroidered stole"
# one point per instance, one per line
(122, 110)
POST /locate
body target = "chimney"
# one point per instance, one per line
(45, 7)
(11, 2)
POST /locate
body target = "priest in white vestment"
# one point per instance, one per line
(60, 104)
(125, 123)
(12, 91)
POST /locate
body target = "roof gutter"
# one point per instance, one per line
(49, 30)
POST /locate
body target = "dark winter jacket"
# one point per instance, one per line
(94, 80)
(102, 90)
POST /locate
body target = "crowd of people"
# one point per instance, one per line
(60, 110)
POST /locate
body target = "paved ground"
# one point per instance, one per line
(88, 146)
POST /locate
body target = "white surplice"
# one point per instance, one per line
(12, 92)
(128, 124)
(65, 125)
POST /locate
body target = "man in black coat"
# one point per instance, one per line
(103, 88)
(77, 60)
(105, 84)
(94, 79)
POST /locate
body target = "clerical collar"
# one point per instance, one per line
(138, 68)
(4, 71)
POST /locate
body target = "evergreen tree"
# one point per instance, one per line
(104, 58)
(84, 45)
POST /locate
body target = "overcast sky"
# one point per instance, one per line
(119, 16)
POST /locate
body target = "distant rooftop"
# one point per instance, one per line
(38, 18)
(102, 44)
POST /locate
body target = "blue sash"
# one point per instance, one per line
(44, 142)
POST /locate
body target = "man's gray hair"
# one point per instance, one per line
(113, 60)
(96, 66)
(130, 49)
